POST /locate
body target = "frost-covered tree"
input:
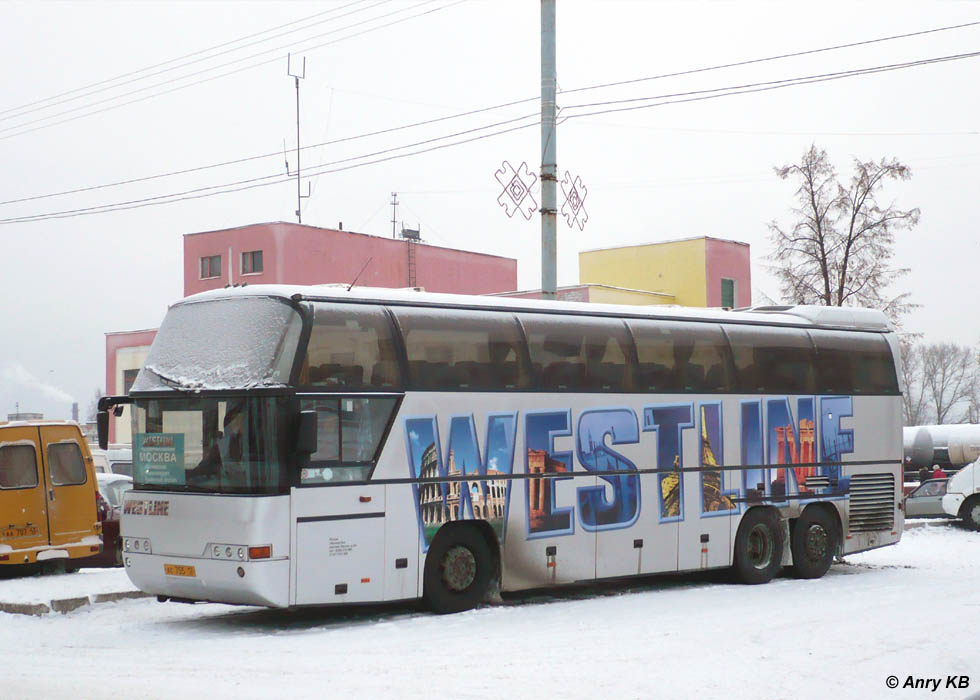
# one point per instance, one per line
(838, 251)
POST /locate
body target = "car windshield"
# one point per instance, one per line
(212, 445)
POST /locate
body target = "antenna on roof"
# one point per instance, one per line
(359, 273)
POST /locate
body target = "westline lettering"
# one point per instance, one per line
(147, 507)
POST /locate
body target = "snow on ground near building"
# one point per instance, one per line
(909, 610)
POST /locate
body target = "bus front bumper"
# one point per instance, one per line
(263, 582)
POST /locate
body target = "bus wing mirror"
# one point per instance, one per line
(102, 418)
(307, 438)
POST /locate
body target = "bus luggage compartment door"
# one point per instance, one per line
(340, 555)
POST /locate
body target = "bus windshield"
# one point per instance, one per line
(232, 343)
(211, 445)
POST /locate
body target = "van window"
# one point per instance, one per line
(66, 464)
(18, 467)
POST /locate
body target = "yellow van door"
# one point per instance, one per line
(23, 520)
(70, 486)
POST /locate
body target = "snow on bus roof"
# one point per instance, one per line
(824, 316)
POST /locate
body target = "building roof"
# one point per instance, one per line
(293, 224)
(672, 240)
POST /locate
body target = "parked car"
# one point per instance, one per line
(48, 495)
(926, 500)
(111, 490)
(118, 459)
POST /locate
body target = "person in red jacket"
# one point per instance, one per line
(938, 473)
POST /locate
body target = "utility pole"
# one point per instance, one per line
(299, 191)
(394, 212)
(549, 153)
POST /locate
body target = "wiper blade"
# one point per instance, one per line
(170, 381)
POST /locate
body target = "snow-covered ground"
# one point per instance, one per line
(910, 610)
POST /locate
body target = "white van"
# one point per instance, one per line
(962, 499)
(118, 459)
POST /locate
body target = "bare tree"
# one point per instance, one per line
(915, 401)
(838, 253)
(948, 373)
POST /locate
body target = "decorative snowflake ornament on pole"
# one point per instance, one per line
(574, 207)
(517, 186)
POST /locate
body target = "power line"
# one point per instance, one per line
(774, 58)
(696, 95)
(264, 179)
(271, 154)
(103, 209)
(703, 94)
(213, 68)
(325, 169)
(103, 84)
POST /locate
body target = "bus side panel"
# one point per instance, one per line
(402, 544)
(339, 544)
(877, 435)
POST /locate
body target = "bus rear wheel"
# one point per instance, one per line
(458, 570)
(758, 547)
(813, 543)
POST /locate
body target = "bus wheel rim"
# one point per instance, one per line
(975, 513)
(760, 546)
(458, 568)
(816, 542)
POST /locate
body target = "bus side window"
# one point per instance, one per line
(453, 349)
(854, 363)
(349, 432)
(351, 347)
(676, 357)
(772, 360)
(579, 353)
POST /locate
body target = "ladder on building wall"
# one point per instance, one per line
(411, 263)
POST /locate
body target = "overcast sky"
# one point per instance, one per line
(676, 170)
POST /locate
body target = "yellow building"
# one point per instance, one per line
(702, 271)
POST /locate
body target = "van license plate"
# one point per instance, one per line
(179, 570)
(29, 531)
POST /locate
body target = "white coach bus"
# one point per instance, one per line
(301, 446)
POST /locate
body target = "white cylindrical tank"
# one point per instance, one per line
(946, 445)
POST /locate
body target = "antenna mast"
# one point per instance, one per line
(299, 191)
(394, 212)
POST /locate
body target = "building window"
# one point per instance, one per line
(129, 377)
(252, 262)
(210, 267)
(727, 293)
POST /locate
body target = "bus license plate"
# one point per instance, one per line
(29, 531)
(179, 570)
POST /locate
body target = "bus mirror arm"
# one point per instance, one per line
(306, 437)
(106, 404)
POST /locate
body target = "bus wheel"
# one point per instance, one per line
(458, 569)
(970, 512)
(758, 547)
(813, 543)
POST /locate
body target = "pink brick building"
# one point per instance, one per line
(284, 253)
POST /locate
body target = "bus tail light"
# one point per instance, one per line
(260, 552)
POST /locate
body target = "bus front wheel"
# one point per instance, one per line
(758, 547)
(813, 543)
(458, 570)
